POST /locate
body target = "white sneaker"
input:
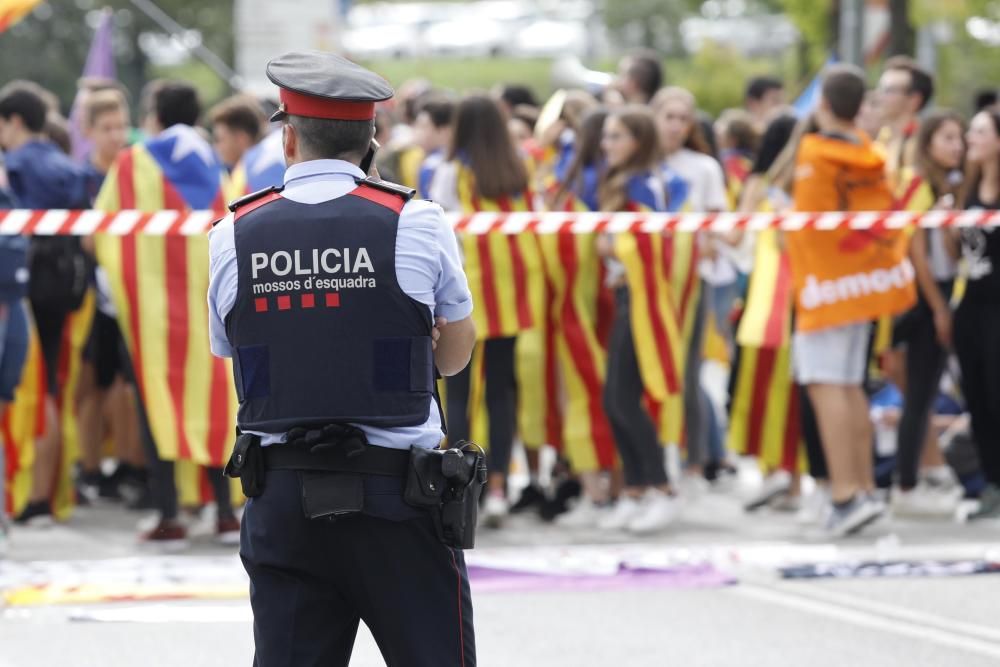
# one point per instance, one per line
(495, 511)
(814, 508)
(584, 514)
(924, 500)
(626, 509)
(848, 520)
(776, 484)
(659, 511)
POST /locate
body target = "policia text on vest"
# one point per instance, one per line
(328, 269)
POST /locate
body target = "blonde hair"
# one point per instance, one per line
(103, 101)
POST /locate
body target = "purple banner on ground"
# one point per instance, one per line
(491, 580)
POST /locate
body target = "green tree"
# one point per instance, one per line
(50, 45)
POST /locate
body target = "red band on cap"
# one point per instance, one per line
(311, 106)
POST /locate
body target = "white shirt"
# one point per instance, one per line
(706, 182)
(428, 269)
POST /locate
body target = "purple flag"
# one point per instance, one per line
(100, 64)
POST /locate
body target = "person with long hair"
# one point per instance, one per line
(977, 319)
(688, 154)
(577, 187)
(633, 181)
(484, 172)
(924, 332)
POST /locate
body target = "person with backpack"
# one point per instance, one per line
(42, 176)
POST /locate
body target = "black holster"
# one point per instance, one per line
(247, 463)
(448, 482)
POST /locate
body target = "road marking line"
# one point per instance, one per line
(867, 619)
(902, 613)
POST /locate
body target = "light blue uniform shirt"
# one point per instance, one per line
(428, 269)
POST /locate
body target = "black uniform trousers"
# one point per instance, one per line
(313, 580)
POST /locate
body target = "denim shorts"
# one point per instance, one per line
(13, 346)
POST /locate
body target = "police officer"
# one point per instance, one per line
(325, 292)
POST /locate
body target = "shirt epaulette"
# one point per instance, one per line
(392, 188)
(253, 196)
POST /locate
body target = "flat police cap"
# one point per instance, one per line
(316, 84)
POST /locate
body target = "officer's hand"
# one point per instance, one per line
(436, 331)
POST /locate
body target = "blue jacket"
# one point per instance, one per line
(41, 176)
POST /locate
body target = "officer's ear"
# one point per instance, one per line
(290, 143)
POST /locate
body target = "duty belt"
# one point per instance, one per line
(372, 460)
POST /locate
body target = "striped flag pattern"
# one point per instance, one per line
(22, 423)
(158, 285)
(577, 281)
(764, 419)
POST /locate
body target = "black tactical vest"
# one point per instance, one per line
(321, 330)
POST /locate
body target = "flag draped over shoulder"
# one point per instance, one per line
(12, 11)
(503, 270)
(575, 276)
(159, 284)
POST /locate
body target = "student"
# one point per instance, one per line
(188, 176)
(977, 319)
(105, 121)
(923, 334)
(904, 90)
(633, 181)
(432, 133)
(237, 125)
(688, 155)
(42, 176)
(839, 169)
(13, 332)
(764, 96)
(484, 172)
(576, 190)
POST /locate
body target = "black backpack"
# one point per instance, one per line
(60, 273)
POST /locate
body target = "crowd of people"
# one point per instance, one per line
(884, 390)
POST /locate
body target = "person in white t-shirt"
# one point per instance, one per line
(689, 156)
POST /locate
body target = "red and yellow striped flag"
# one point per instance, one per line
(22, 424)
(764, 421)
(503, 270)
(656, 325)
(76, 331)
(575, 274)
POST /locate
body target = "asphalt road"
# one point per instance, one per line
(761, 620)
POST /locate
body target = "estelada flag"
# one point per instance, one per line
(845, 276)
(262, 166)
(12, 11)
(158, 286)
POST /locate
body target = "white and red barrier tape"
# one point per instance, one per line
(84, 223)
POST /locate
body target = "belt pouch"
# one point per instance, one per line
(331, 493)
(247, 463)
(424, 480)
